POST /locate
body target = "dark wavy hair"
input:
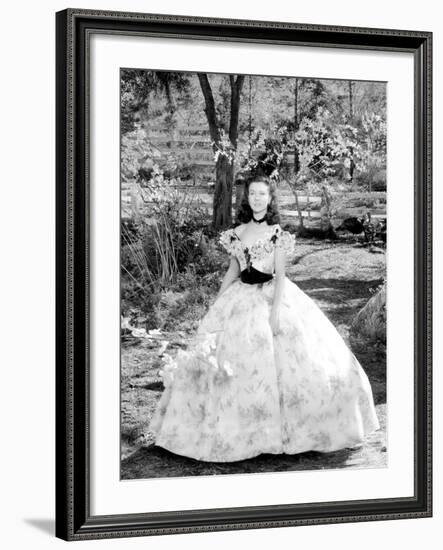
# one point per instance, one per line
(244, 213)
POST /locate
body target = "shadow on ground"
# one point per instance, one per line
(45, 525)
(154, 462)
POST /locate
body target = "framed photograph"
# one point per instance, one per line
(243, 274)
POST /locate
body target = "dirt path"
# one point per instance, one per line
(339, 278)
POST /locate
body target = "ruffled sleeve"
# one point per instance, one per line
(227, 240)
(285, 241)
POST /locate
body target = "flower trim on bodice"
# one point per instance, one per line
(261, 249)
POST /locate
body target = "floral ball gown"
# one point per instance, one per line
(239, 391)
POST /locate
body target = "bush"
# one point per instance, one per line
(142, 299)
(188, 309)
(157, 248)
(374, 179)
(179, 303)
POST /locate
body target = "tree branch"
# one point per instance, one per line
(236, 86)
(210, 106)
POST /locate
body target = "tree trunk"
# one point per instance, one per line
(224, 170)
(351, 118)
(296, 125)
(236, 86)
(351, 106)
(250, 115)
(296, 158)
(351, 166)
(293, 186)
(222, 209)
(325, 213)
(300, 214)
(239, 188)
(144, 115)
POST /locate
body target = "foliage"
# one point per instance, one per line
(136, 153)
(324, 147)
(166, 239)
(169, 235)
(137, 86)
(373, 139)
(141, 161)
(181, 303)
(268, 106)
(224, 148)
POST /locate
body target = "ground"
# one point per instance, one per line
(340, 277)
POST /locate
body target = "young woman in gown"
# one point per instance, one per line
(267, 372)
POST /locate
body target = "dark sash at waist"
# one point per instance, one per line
(252, 276)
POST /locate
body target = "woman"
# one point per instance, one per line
(267, 371)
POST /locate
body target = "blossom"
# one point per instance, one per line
(199, 357)
(163, 346)
(227, 368)
(168, 371)
(213, 361)
(206, 343)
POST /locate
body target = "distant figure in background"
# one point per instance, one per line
(371, 228)
(353, 225)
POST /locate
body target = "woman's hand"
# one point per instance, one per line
(274, 321)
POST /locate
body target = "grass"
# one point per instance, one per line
(339, 278)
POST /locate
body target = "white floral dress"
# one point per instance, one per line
(239, 391)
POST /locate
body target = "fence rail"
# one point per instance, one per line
(133, 204)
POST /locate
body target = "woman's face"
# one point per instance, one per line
(258, 196)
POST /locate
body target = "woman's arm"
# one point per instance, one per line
(230, 275)
(279, 266)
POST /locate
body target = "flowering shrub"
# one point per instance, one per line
(168, 234)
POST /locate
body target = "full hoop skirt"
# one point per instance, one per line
(240, 391)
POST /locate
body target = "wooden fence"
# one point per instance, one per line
(133, 204)
(191, 147)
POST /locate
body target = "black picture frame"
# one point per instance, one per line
(74, 28)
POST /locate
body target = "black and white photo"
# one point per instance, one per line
(253, 266)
